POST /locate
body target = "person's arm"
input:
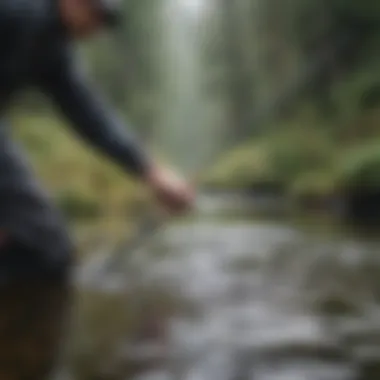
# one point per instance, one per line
(89, 115)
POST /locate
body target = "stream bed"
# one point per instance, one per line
(221, 298)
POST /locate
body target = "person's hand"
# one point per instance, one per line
(170, 189)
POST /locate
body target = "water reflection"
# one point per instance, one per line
(236, 299)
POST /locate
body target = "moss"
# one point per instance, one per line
(297, 153)
(78, 206)
(278, 160)
(83, 182)
(317, 184)
(243, 168)
(360, 167)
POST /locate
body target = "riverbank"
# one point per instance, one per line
(357, 210)
(83, 182)
(308, 169)
(294, 170)
(99, 201)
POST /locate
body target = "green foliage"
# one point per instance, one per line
(83, 182)
(356, 92)
(281, 158)
(245, 54)
(311, 153)
(243, 168)
(360, 166)
(366, 9)
(78, 206)
(296, 153)
(315, 184)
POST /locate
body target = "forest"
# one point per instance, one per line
(274, 95)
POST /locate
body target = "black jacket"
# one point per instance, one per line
(36, 51)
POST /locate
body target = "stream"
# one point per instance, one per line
(234, 298)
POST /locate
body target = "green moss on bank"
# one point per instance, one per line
(85, 184)
(305, 165)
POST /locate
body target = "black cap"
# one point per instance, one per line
(111, 11)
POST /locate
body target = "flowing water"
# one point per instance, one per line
(221, 298)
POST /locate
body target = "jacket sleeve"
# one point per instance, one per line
(89, 115)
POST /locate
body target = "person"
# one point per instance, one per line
(37, 40)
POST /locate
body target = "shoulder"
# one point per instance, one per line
(20, 11)
(19, 19)
(63, 56)
(61, 63)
